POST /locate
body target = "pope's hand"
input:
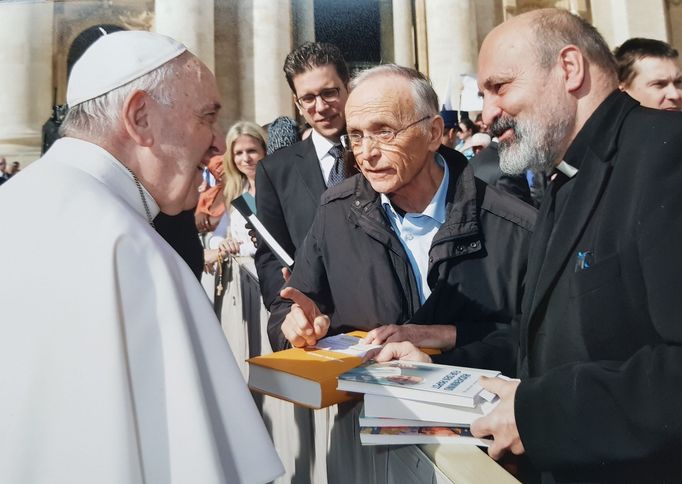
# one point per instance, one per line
(501, 422)
(305, 323)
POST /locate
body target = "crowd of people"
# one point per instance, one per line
(539, 239)
(8, 171)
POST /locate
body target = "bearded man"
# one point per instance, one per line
(600, 340)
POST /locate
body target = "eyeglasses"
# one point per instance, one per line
(353, 142)
(329, 95)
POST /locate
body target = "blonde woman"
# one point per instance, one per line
(245, 143)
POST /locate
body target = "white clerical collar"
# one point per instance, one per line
(102, 165)
(322, 144)
(567, 169)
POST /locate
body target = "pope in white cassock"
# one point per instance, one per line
(113, 367)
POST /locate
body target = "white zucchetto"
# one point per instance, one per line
(115, 59)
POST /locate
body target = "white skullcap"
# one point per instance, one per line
(116, 59)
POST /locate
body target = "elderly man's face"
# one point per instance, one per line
(524, 105)
(657, 84)
(187, 135)
(385, 103)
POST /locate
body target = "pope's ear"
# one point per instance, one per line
(135, 114)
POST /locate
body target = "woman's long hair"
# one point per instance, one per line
(235, 181)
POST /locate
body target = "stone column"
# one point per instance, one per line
(303, 14)
(190, 22)
(386, 31)
(422, 39)
(452, 44)
(619, 20)
(26, 93)
(403, 33)
(265, 92)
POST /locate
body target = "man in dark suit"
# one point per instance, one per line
(600, 345)
(290, 181)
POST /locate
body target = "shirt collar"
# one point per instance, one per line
(322, 144)
(436, 207)
(569, 170)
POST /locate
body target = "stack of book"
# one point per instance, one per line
(419, 403)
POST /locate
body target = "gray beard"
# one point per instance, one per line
(534, 148)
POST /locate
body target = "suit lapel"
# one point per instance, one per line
(570, 225)
(308, 167)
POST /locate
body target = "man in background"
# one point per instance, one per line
(289, 182)
(648, 70)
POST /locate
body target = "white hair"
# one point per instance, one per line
(424, 97)
(97, 117)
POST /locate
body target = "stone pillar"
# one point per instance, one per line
(403, 33)
(619, 20)
(190, 22)
(263, 48)
(26, 94)
(453, 45)
(303, 14)
(420, 26)
(386, 28)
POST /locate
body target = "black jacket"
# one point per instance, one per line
(600, 356)
(354, 266)
(288, 187)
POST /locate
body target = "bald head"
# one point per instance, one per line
(542, 74)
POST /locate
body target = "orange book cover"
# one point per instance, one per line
(305, 376)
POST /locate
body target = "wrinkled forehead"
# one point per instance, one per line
(381, 96)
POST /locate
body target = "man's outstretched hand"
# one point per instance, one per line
(305, 324)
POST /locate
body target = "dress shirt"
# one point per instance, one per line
(416, 230)
(322, 147)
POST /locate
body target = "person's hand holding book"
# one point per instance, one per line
(501, 422)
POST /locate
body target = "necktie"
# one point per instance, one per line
(337, 174)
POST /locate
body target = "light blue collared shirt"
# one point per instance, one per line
(416, 230)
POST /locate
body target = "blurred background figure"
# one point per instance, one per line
(482, 127)
(467, 129)
(479, 141)
(450, 128)
(648, 71)
(282, 132)
(245, 148)
(211, 206)
(4, 176)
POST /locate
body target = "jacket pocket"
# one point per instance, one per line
(590, 279)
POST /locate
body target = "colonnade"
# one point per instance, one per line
(245, 43)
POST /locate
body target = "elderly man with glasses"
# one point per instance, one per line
(414, 240)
